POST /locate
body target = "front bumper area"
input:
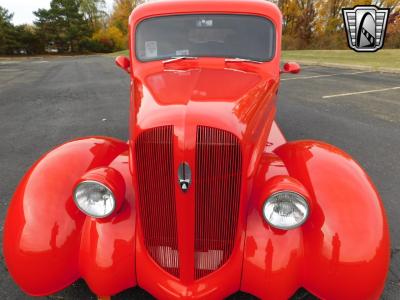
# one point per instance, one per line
(341, 252)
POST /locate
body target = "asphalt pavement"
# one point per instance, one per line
(47, 101)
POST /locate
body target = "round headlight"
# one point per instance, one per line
(94, 199)
(286, 210)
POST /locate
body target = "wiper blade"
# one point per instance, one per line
(242, 60)
(178, 58)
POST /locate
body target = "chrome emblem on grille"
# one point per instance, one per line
(184, 176)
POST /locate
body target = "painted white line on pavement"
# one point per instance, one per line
(9, 70)
(307, 67)
(9, 62)
(40, 62)
(363, 92)
(327, 75)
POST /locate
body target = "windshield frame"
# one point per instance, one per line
(273, 27)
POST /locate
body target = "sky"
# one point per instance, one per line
(23, 9)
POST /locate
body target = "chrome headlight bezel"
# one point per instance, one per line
(302, 199)
(108, 189)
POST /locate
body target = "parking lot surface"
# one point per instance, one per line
(47, 101)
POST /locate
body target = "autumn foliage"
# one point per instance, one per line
(113, 35)
(318, 24)
(88, 26)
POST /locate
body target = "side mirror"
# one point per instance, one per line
(124, 63)
(291, 67)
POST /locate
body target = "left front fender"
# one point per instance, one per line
(49, 243)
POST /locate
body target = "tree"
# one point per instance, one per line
(305, 22)
(298, 24)
(393, 5)
(93, 11)
(393, 30)
(5, 16)
(319, 23)
(7, 39)
(63, 24)
(329, 15)
(120, 16)
(110, 39)
(290, 12)
(28, 39)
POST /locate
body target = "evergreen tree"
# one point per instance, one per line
(7, 39)
(63, 24)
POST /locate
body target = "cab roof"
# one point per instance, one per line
(173, 7)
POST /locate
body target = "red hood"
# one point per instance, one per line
(200, 85)
(230, 99)
(236, 100)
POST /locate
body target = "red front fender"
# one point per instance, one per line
(49, 243)
(341, 252)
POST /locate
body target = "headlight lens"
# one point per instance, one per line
(94, 199)
(286, 210)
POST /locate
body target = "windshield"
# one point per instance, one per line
(229, 36)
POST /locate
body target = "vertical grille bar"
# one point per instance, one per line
(218, 184)
(154, 161)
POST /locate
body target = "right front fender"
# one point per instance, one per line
(341, 252)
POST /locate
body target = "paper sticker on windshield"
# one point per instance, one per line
(204, 23)
(151, 49)
(182, 52)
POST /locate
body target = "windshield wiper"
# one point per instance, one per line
(242, 60)
(178, 58)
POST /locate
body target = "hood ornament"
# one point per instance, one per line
(184, 176)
